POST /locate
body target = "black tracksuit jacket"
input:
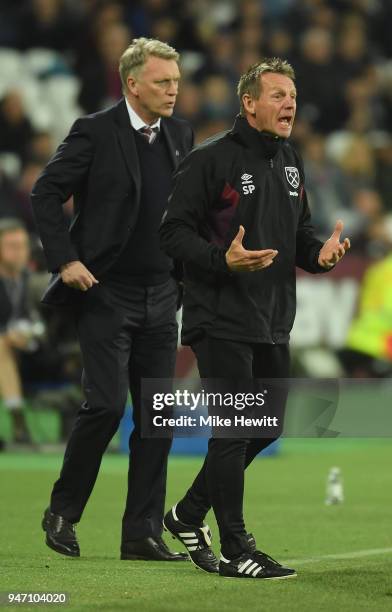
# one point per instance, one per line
(240, 177)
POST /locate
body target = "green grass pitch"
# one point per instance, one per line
(343, 554)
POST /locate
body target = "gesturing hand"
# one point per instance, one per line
(333, 250)
(239, 259)
(75, 274)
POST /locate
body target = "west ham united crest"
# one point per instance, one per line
(292, 176)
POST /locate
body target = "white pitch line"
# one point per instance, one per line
(348, 555)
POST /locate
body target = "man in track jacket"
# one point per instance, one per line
(239, 219)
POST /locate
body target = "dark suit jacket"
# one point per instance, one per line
(98, 164)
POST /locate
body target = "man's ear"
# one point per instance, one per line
(132, 85)
(249, 104)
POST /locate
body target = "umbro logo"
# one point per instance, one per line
(247, 183)
(246, 178)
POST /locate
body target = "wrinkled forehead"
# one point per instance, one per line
(158, 68)
(275, 81)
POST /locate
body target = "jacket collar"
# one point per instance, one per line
(263, 143)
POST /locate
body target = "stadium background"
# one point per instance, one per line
(58, 60)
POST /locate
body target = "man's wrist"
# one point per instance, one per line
(68, 264)
(226, 264)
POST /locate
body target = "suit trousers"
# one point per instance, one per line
(126, 333)
(220, 482)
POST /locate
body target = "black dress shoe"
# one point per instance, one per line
(60, 534)
(150, 549)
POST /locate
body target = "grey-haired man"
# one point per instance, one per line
(118, 165)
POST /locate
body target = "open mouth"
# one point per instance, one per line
(285, 121)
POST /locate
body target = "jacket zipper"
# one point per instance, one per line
(271, 164)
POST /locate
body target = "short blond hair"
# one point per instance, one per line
(250, 82)
(138, 52)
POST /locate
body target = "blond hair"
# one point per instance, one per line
(250, 82)
(138, 52)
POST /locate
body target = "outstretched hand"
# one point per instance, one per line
(333, 250)
(240, 260)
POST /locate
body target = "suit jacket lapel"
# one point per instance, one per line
(128, 145)
(174, 154)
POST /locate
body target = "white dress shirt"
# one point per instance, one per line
(137, 122)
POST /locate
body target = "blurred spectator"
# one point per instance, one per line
(317, 81)
(189, 103)
(219, 58)
(7, 195)
(40, 148)
(383, 160)
(357, 163)
(374, 239)
(244, 59)
(32, 353)
(329, 198)
(363, 102)
(97, 19)
(382, 27)
(250, 26)
(47, 24)
(368, 351)
(302, 15)
(15, 128)
(17, 327)
(22, 201)
(323, 16)
(280, 43)
(250, 37)
(210, 128)
(101, 81)
(217, 99)
(353, 53)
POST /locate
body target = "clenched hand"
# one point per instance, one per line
(75, 274)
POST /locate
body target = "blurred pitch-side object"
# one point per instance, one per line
(334, 487)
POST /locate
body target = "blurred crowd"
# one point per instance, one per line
(59, 60)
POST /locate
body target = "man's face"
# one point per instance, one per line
(275, 109)
(154, 90)
(14, 250)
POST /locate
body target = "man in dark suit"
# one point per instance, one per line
(118, 165)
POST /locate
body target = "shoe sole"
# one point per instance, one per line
(175, 537)
(66, 553)
(256, 578)
(143, 558)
